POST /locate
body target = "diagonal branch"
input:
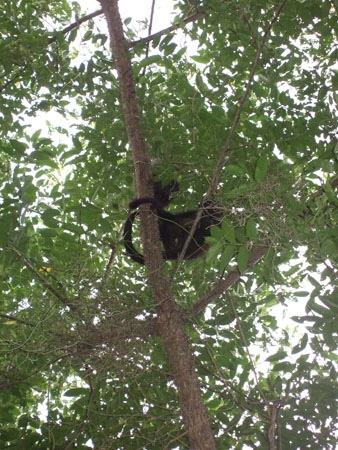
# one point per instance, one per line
(225, 284)
(167, 30)
(76, 24)
(225, 150)
(234, 275)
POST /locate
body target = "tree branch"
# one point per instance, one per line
(48, 286)
(167, 30)
(221, 159)
(169, 319)
(76, 24)
(224, 285)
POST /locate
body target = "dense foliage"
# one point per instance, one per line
(80, 364)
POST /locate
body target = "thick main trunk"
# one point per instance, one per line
(169, 322)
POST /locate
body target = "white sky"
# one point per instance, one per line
(139, 10)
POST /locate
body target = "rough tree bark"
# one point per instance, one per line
(170, 324)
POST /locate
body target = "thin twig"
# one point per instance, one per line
(48, 286)
(245, 342)
(150, 25)
(16, 319)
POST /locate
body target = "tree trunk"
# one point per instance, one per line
(170, 324)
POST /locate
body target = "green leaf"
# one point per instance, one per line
(228, 230)
(44, 158)
(250, 229)
(231, 169)
(18, 147)
(301, 293)
(261, 169)
(216, 233)
(277, 356)
(328, 248)
(35, 136)
(242, 258)
(150, 60)
(77, 392)
(48, 217)
(227, 254)
(201, 59)
(299, 347)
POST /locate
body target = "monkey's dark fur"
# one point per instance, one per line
(174, 228)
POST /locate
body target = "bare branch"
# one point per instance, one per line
(223, 285)
(76, 24)
(167, 30)
(16, 319)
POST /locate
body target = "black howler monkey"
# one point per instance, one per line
(162, 194)
(174, 228)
